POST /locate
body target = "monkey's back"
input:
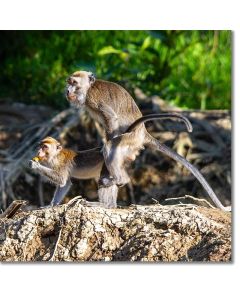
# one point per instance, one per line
(89, 164)
(106, 93)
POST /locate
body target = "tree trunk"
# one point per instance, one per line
(76, 232)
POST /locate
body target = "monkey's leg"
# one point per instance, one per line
(119, 173)
(60, 193)
(108, 196)
(117, 152)
(120, 176)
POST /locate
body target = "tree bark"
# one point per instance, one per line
(76, 232)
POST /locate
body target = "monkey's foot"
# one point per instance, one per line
(109, 181)
(106, 182)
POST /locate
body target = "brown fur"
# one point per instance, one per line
(65, 156)
(49, 140)
(112, 106)
(66, 163)
(103, 93)
(77, 74)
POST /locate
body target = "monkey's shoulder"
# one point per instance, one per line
(109, 89)
(105, 83)
(110, 98)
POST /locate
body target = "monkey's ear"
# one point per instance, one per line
(92, 78)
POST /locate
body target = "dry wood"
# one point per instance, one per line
(13, 208)
(75, 232)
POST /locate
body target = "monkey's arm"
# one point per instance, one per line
(52, 175)
(60, 193)
(110, 120)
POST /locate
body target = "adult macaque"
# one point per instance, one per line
(59, 165)
(113, 107)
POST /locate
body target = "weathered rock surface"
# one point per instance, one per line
(75, 232)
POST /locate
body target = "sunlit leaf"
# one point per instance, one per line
(108, 50)
(146, 43)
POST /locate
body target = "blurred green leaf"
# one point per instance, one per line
(188, 68)
(146, 43)
(108, 50)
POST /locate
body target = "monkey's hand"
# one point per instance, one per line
(34, 164)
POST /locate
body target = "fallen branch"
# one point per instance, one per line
(14, 207)
(187, 199)
(136, 233)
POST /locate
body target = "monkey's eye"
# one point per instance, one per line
(44, 147)
(71, 81)
(74, 82)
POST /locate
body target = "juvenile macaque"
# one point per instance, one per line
(113, 107)
(58, 165)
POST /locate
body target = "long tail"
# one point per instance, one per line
(160, 116)
(152, 142)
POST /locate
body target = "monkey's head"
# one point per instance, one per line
(77, 87)
(48, 149)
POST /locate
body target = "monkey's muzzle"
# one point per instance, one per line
(71, 97)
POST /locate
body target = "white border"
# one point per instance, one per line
(124, 14)
(118, 281)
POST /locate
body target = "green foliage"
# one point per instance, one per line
(191, 69)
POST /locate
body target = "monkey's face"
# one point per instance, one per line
(77, 87)
(49, 148)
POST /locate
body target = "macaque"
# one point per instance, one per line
(58, 165)
(113, 107)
